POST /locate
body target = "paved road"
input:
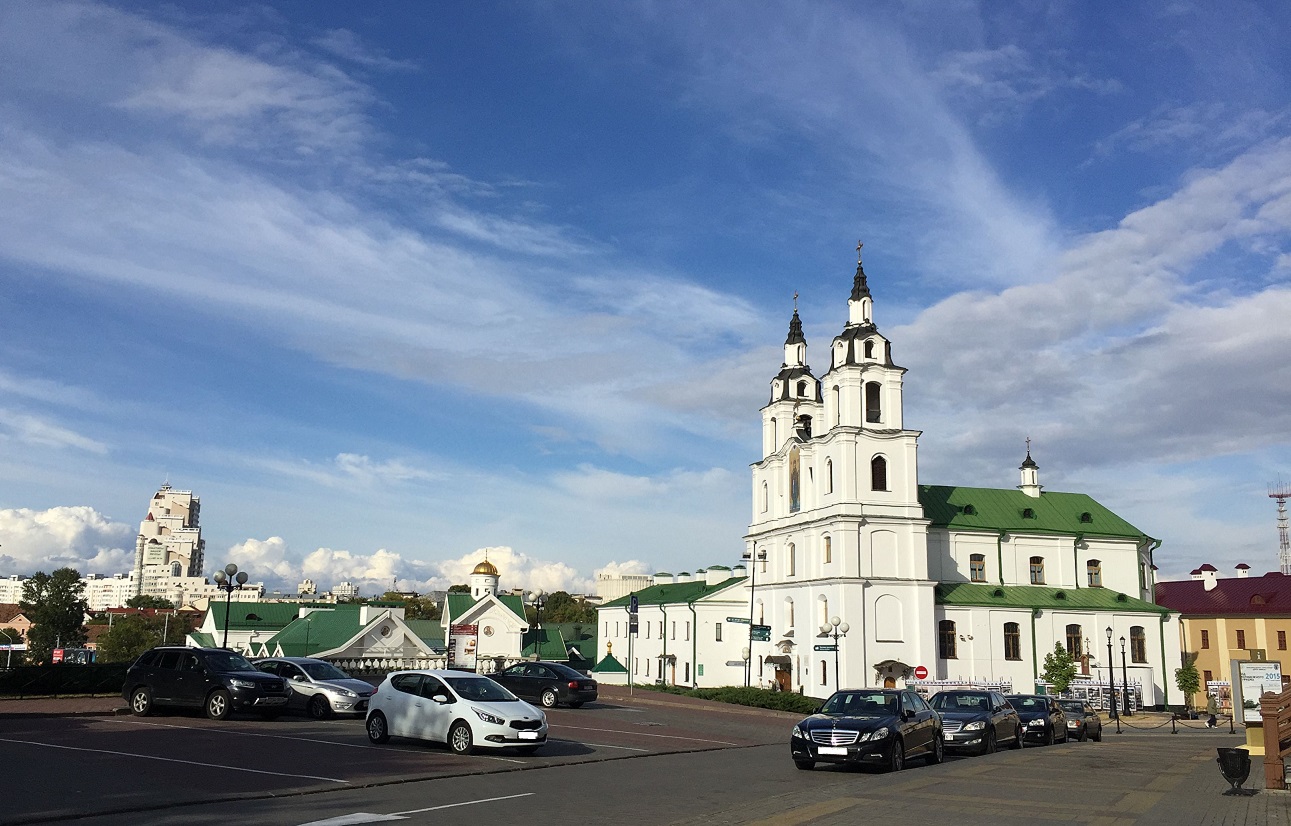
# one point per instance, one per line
(622, 761)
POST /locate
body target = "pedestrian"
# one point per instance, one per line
(1212, 709)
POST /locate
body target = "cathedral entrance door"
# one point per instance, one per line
(783, 679)
(888, 682)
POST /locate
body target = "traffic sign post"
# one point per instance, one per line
(760, 633)
(920, 673)
(743, 620)
(826, 648)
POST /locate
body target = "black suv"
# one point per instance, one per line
(213, 679)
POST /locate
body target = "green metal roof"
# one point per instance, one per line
(430, 632)
(609, 665)
(547, 643)
(458, 604)
(992, 509)
(1042, 596)
(674, 592)
(577, 635)
(320, 630)
(203, 639)
(271, 615)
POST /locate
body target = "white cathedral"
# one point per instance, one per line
(935, 583)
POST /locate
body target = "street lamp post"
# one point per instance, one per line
(228, 581)
(746, 654)
(1111, 680)
(536, 600)
(753, 558)
(8, 662)
(1125, 683)
(834, 629)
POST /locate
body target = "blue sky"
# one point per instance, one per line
(388, 287)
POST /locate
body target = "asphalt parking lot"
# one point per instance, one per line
(642, 759)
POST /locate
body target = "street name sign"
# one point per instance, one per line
(744, 620)
(827, 648)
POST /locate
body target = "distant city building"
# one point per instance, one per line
(307, 588)
(103, 592)
(345, 590)
(169, 547)
(11, 589)
(614, 586)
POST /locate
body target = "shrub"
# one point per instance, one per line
(741, 696)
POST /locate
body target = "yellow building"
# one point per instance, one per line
(1234, 618)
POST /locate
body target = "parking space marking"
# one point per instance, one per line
(645, 734)
(173, 760)
(806, 814)
(465, 803)
(594, 745)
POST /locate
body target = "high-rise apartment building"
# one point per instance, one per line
(169, 546)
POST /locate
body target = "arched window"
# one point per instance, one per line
(824, 673)
(802, 389)
(946, 640)
(878, 473)
(829, 476)
(791, 564)
(824, 609)
(766, 497)
(1037, 570)
(838, 405)
(1138, 644)
(977, 567)
(1094, 569)
(869, 349)
(775, 436)
(829, 549)
(1012, 641)
(873, 406)
(1075, 641)
(788, 612)
(176, 569)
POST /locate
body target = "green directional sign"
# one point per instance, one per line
(827, 648)
(744, 620)
(761, 633)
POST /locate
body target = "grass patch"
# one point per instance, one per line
(741, 696)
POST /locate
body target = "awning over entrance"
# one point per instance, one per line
(778, 659)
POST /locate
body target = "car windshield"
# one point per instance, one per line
(480, 689)
(228, 661)
(1030, 703)
(861, 704)
(1077, 708)
(323, 671)
(953, 701)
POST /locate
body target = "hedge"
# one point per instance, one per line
(56, 680)
(741, 696)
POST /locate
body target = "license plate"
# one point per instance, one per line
(836, 750)
(945, 736)
(528, 735)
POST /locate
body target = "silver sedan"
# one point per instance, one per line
(319, 688)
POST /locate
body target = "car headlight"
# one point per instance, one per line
(879, 734)
(976, 725)
(1036, 724)
(489, 718)
(342, 692)
(799, 733)
(236, 683)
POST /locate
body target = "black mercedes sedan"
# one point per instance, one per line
(873, 726)
(977, 721)
(1043, 719)
(548, 683)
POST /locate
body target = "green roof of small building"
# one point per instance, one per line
(547, 643)
(267, 615)
(320, 630)
(455, 605)
(674, 592)
(1041, 596)
(203, 639)
(992, 509)
(430, 632)
(609, 665)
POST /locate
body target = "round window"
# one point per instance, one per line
(385, 630)
(488, 630)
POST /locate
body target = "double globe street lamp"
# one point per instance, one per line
(834, 629)
(536, 599)
(228, 581)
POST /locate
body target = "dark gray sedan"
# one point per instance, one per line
(548, 683)
(1083, 722)
(977, 721)
(319, 688)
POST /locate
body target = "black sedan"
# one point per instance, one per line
(548, 683)
(1042, 718)
(1083, 721)
(868, 726)
(977, 721)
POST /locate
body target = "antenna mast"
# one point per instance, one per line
(1281, 492)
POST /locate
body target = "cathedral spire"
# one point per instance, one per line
(860, 289)
(1030, 474)
(795, 329)
(860, 306)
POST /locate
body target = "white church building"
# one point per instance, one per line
(933, 583)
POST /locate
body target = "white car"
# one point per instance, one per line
(463, 710)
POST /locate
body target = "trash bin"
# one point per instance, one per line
(1235, 765)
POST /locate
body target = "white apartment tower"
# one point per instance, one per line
(169, 545)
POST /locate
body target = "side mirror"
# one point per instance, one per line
(442, 699)
(908, 714)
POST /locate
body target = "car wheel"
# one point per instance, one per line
(218, 704)
(989, 746)
(896, 760)
(1098, 735)
(576, 705)
(1019, 740)
(805, 765)
(141, 701)
(1066, 734)
(549, 698)
(1049, 737)
(938, 752)
(378, 731)
(319, 708)
(1084, 734)
(459, 739)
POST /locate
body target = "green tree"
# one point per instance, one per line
(148, 601)
(1059, 668)
(459, 589)
(414, 607)
(561, 607)
(1188, 680)
(56, 606)
(130, 636)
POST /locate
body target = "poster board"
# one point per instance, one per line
(1250, 681)
(462, 644)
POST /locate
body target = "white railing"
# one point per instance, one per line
(927, 688)
(384, 665)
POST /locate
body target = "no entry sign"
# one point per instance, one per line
(920, 673)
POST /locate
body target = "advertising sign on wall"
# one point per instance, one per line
(1254, 679)
(461, 643)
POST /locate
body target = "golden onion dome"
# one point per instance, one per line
(485, 567)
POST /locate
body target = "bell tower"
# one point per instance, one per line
(794, 408)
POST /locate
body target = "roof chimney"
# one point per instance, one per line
(1243, 570)
(1208, 573)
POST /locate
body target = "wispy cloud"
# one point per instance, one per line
(348, 45)
(38, 431)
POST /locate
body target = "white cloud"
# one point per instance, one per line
(348, 45)
(37, 431)
(77, 537)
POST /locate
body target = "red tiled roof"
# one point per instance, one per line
(1207, 567)
(1242, 566)
(1229, 597)
(9, 610)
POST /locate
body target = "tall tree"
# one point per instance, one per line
(459, 589)
(1059, 668)
(149, 601)
(56, 606)
(414, 608)
(129, 637)
(1188, 680)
